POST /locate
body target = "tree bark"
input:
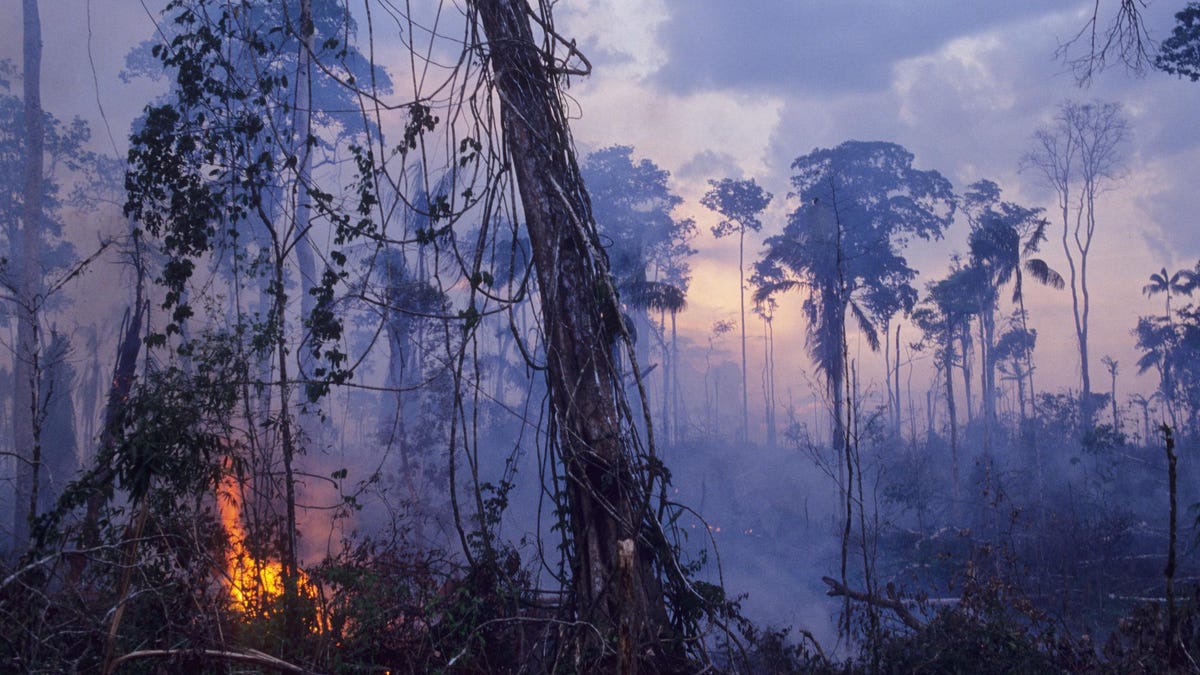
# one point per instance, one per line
(614, 554)
(25, 369)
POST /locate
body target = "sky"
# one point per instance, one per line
(710, 89)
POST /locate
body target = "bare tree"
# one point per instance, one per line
(1098, 45)
(1078, 156)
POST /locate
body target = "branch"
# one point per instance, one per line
(249, 656)
(837, 589)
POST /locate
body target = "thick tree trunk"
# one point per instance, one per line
(25, 370)
(616, 589)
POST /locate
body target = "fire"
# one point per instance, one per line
(253, 582)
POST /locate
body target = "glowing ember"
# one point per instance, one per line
(252, 582)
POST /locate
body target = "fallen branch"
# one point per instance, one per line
(837, 589)
(251, 656)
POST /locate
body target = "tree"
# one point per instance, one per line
(739, 202)
(944, 318)
(861, 202)
(1182, 282)
(1180, 54)
(647, 246)
(765, 309)
(1004, 237)
(1111, 365)
(1157, 339)
(1079, 157)
(1164, 344)
(884, 303)
(224, 163)
(26, 443)
(1014, 355)
(616, 542)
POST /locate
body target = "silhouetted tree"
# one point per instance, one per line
(1013, 355)
(1003, 238)
(1182, 282)
(739, 202)
(1111, 365)
(943, 318)
(861, 202)
(647, 245)
(1079, 157)
(1157, 339)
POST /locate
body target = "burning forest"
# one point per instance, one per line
(534, 337)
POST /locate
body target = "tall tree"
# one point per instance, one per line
(26, 443)
(646, 245)
(616, 545)
(1079, 157)
(739, 202)
(861, 202)
(1004, 237)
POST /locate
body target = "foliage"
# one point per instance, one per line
(861, 202)
(647, 246)
(1180, 53)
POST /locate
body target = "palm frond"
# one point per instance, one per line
(1044, 274)
(866, 325)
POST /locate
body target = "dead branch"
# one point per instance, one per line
(837, 589)
(250, 656)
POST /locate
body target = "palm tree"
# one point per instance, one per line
(1156, 338)
(1143, 403)
(1003, 241)
(810, 256)
(1182, 282)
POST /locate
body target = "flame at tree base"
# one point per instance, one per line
(255, 584)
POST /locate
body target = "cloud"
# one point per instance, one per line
(812, 47)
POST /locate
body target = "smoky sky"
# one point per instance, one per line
(813, 47)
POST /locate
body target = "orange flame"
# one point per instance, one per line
(252, 582)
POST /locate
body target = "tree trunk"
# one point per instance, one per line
(742, 318)
(305, 260)
(952, 412)
(616, 589)
(25, 368)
